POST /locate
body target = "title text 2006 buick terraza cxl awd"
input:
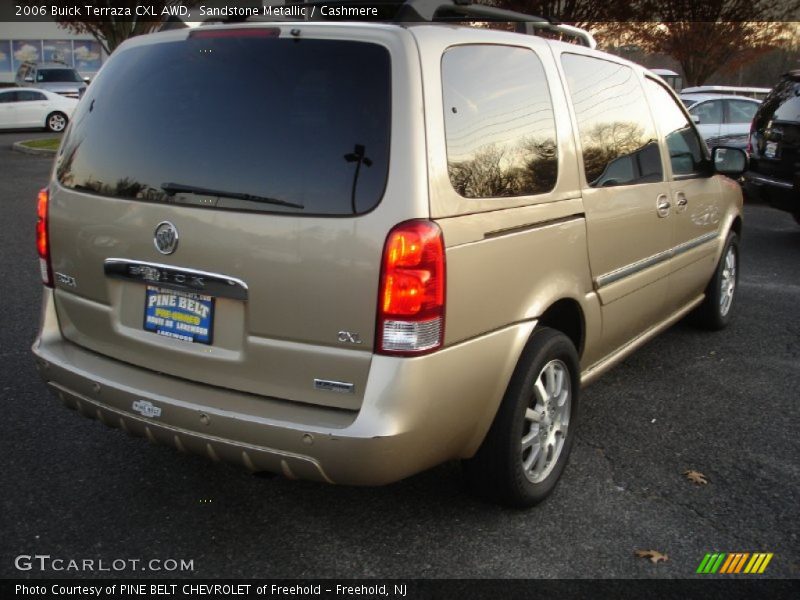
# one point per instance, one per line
(349, 252)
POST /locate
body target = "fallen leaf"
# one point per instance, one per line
(654, 555)
(696, 477)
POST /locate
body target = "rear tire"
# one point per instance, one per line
(56, 122)
(528, 444)
(715, 311)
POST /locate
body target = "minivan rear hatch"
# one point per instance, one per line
(211, 213)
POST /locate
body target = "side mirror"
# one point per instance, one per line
(87, 80)
(728, 161)
(696, 119)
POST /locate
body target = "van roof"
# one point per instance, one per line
(453, 12)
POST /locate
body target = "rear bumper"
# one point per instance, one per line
(416, 412)
(779, 193)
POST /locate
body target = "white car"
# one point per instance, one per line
(29, 107)
(722, 119)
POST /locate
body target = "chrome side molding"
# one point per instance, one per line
(641, 265)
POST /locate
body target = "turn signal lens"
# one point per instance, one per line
(412, 290)
(42, 241)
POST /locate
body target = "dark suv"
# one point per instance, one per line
(774, 173)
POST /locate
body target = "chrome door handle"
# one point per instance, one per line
(662, 205)
(682, 202)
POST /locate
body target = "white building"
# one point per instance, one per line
(46, 42)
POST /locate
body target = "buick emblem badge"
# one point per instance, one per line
(166, 237)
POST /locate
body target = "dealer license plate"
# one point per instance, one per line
(180, 315)
(771, 149)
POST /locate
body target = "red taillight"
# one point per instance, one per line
(411, 297)
(240, 32)
(42, 240)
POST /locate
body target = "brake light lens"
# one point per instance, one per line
(412, 290)
(42, 239)
(239, 32)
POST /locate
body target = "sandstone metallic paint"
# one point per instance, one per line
(250, 399)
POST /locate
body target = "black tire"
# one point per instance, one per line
(497, 472)
(56, 122)
(716, 310)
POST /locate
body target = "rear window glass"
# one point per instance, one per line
(781, 105)
(243, 123)
(789, 110)
(57, 76)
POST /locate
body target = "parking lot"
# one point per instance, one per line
(724, 404)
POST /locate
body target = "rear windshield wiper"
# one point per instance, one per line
(179, 188)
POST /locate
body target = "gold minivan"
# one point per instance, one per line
(348, 252)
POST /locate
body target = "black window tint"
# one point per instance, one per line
(789, 110)
(57, 76)
(499, 124)
(709, 113)
(617, 133)
(786, 92)
(28, 96)
(8, 97)
(685, 148)
(300, 121)
(740, 111)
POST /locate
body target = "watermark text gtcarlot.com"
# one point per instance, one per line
(46, 562)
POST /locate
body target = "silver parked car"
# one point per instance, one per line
(722, 120)
(53, 77)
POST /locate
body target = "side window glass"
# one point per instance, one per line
(740, 111)
(27, 96)
(499, 125)
(7, 97)
(617, 133)
(710, 113)
(685, 148)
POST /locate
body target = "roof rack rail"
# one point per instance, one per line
(467, 10)
(436, 11)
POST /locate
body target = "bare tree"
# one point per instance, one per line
(709, 36)
(703, 48)
(703, 37)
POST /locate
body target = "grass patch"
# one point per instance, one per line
(44, 144)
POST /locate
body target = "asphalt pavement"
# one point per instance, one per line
(724, 404)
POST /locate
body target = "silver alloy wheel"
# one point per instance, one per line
(57, 122)
(546, 421)
(727, 285)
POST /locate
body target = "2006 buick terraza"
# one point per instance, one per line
(349, 252)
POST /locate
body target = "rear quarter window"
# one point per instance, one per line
(499, 124)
